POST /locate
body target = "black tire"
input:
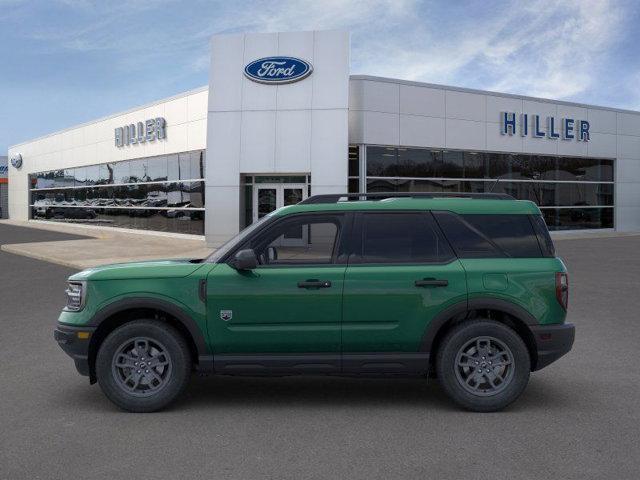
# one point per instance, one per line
(484, 391)
(170, 371)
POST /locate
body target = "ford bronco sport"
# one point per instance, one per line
(465, 287)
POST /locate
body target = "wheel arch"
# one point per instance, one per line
(502, 311)
(129, 309)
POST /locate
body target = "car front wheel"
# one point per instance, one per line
(143, 366)
(483, 365)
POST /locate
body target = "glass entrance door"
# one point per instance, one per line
(267, 201)
(268, 197)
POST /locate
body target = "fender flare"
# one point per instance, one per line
(465, 307)
(156, 304)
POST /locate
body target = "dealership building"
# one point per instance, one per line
(283, 118)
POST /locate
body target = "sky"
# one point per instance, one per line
(65, 62)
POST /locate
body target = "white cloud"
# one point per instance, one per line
(544, 48)
(540, 48)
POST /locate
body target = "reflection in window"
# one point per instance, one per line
(130, 194)
(549, 181)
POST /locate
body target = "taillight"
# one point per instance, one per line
(562, 289)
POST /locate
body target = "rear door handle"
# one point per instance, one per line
(314, 284)
(431, 282)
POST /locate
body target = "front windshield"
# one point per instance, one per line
(234, 241)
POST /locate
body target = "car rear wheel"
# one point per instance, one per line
(143, 366)
(483, 365)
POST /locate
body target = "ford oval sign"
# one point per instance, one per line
(278, 70)
(16, 160)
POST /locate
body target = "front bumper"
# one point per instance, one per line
(552, 342)
(75, 343)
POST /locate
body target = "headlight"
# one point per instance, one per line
(75, 296)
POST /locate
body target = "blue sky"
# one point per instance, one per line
(64, 62)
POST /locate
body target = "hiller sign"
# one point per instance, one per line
(147, 131)
(566, 128)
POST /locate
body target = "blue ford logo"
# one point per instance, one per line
(278, 70)
(16, 160)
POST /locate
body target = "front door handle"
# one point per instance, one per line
(431, 282)
(314, 284)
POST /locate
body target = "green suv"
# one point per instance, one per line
(464, 287)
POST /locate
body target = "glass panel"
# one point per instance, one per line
(540, 193)
(196, 194)
(546, 244)
(173, 167)
(512, 233)
(248, 205)
(292, 196)
(105, 174)
(92, 175)
(121, 172)
(45, 180)
(266, 201)
(179, 222)
(452, 164)
(184, 166)
(58, 178)
(178, 195)
(382, 162)
(157, 169)
(156, 195)
(282, 245)
(467, 242)
(197, 165)
(86, 198)
(281, 179)
(354, 185)
(80, 176)
(533, 167)
(558, 194)
(139, 170)
(414, 162)
(585, 169)
(402, 185)
(402, 238)
(578, 218)
(475, 165)
(354, 161)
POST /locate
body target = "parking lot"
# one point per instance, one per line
(579, 418)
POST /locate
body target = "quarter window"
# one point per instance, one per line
(514, 234)
(467, 241)
(490, 236)
(402, 238)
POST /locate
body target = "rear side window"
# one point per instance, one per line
(514, 234)
(546, 244)
(402, 238)
(467, 241)
(490, 236)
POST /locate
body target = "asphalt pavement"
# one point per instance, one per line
(578, 418)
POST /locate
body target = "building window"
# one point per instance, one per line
(572, 193)
(354, 169)
(164, 193)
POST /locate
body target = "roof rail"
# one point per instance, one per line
(337, 197)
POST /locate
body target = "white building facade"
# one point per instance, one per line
(282, 118)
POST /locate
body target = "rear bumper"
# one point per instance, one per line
(552, 342)
(75, 346)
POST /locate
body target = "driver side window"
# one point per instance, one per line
(306, 240)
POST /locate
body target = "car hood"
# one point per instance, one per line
(139, 270)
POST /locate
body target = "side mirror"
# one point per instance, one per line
(245, 260)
